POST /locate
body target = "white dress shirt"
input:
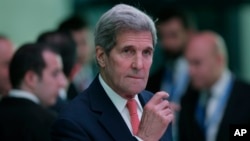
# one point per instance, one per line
(23, 94)
(120, 104)
(218, 91)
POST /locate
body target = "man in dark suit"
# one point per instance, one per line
(216, 98)
(36, 77)
(67, 49)
(115, 107)
(174, 28)
(85, 74)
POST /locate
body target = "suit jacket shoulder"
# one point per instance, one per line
(21, 119)
(237, 111)
(91, 116)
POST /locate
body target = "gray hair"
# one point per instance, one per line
(121, 17)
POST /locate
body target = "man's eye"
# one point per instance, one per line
(128, 51)
(147, 52)
(55, 73)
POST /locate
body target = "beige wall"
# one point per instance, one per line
(23, 20)
(245, 41)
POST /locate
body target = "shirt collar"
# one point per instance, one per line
(118, 101)
(23, 94)
(221, 85)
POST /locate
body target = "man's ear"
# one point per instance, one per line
(220, 59)
(100, 56)
(30, 79)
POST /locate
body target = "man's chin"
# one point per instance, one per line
(133, 92)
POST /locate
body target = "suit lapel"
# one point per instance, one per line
(110, 117)
(229, 109)
(142, 100)
(144, 97)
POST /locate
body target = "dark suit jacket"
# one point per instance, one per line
(237, 112)
(93, 116)
(23, 120)
(72, 91)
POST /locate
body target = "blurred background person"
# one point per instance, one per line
(6, 53)
(218, 98)
(174, 29)
(78, 28)
(36, 76)
(64, 43)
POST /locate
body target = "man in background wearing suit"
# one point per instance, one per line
(115, 105)
(78, 27)
(64, 43)
(36, 77)
(221, 98)
(174, 28)
(6, 53)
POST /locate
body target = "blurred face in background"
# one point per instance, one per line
(173, 36)
(126, 68)
(81, 37)
(205, 63)
(47, 85)
(6, 53)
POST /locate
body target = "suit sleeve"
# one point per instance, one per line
(66, 130)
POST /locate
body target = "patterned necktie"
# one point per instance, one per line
(132, 108)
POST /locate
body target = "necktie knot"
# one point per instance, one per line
(132, 108)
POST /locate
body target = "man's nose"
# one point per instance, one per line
(63, 81)
(137, 62)
(192, 71)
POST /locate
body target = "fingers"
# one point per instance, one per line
(175, 107)
(166, 112)
(158, 97)
(169, 117)
(163, 105)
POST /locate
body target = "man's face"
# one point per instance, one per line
(52, 79)
(6, 53)
(126, 68)
(80, 38)
(204, 63)
(173, 36)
